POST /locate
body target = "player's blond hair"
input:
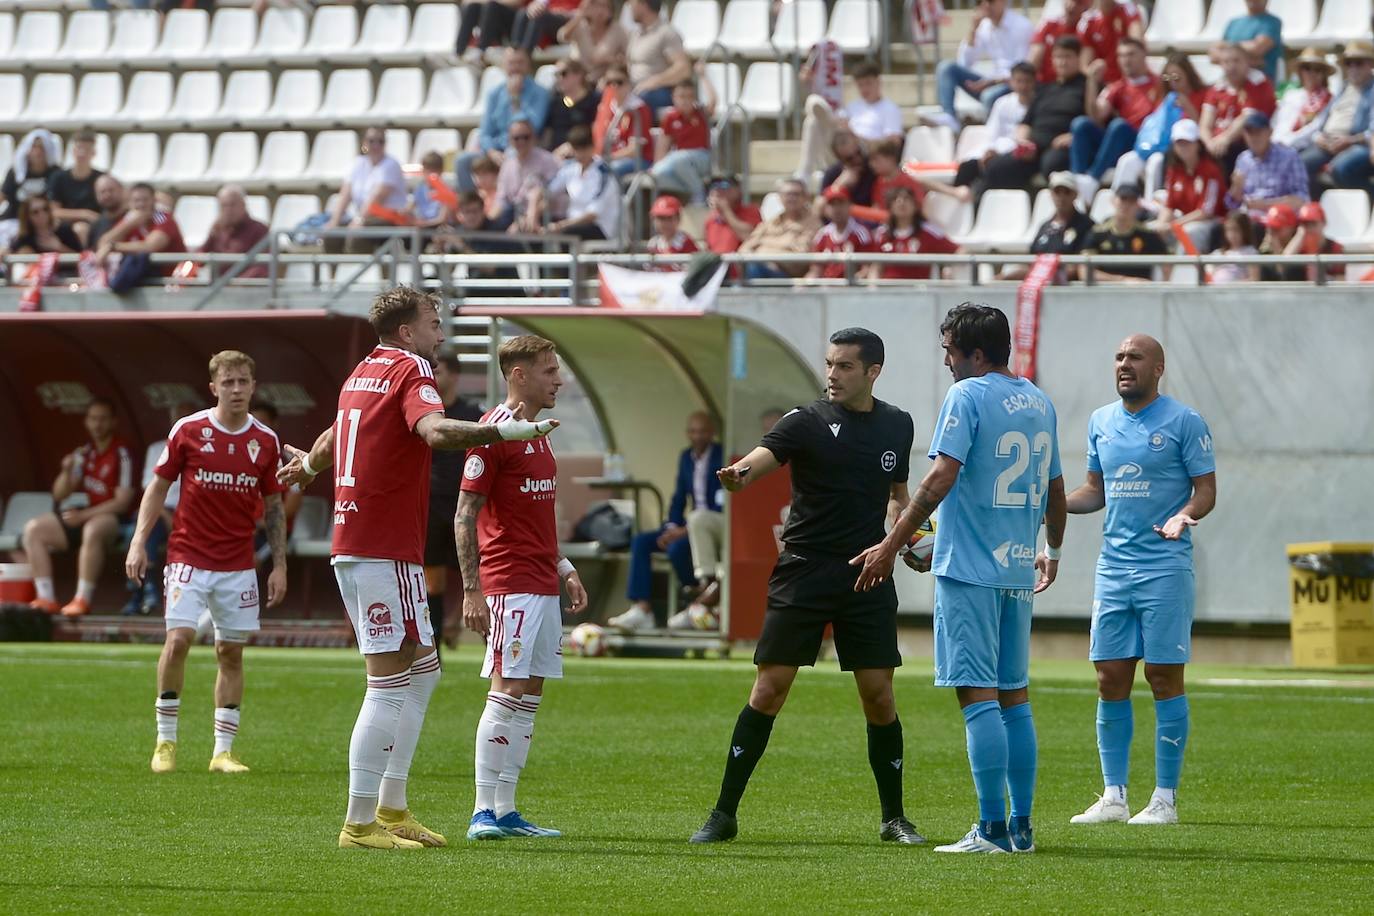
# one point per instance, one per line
(232, 359)
(522, 351)
(397, 306)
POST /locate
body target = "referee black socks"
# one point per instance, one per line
(885, 757)
(746, 747)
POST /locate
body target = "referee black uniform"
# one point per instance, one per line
(445, 480)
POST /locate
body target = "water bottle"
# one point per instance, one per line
(615, 466)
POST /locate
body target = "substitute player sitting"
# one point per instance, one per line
(849, 454)
(227, 464)
(390, 415)
(1150, 464)
(511, 595)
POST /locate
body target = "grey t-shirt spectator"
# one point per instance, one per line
(651, 51)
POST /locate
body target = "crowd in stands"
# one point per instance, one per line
(1072, 104)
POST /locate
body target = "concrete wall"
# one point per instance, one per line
(1282, 375)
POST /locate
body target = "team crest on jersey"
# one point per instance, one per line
(253, 449)
(429, 395)
(516, 647)
(474, 467)
(1157, 442)
(176, 595)
(206, 432)
(889, 460)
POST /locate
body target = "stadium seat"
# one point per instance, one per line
(546, 76)
(441, 140)
(929, 144)
(98, 101)
(185, 159)
(246, 95)
(282, 34)
(971, 139)
(347, 98)
(12, 96)
(6, 143)
(771, 205)
(433, 27)
(297, 99)
(38, 36)
(491, 78)
(1102, 206)
(398, 144)
(949, 213)
(50, 99)
(769, 89)
(452, 94)
(725, 76)
(311, 534)
(197, 97)
(19, 510)
(1208, 71)
(284, 157)
(800, 25)
(259, 207)
(184, 33)
(383, 35)
(744, 28)
(1341, 20)
(333, 31)
(135, 35)
(292, 209)
(332, 156)
(88, 37)
(1218, 14)
(1001, 221)
(195, 214)
(400, 92)
(1347, 215)
(698, 22)
(1174, 24)
(136, 157)
(1041, 210)
(235, 157)
(233, 33)
(149, 98)
(1299, 20)
(856, 26)
(6, 35)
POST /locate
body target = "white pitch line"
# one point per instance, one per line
(1283, 682)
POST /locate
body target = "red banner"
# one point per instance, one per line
(1027, 331)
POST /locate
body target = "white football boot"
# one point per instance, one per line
(1158, 811)
(1106, 810)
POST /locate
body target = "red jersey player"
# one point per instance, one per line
(506, 514)
(390, 415)
(227, 462)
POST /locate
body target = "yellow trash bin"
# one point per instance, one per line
(1332, 587)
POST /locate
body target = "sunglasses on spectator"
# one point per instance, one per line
(615, 81)
(518, 137)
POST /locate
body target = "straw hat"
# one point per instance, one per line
(1311, 57)
(1358, 49)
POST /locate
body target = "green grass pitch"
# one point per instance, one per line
(1277, 797)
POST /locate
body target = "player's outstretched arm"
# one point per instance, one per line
(475, 613)
(1204, 501)
(304, 467)
(439, 432)
(136, 561)
(1089, 497)
(1056, 517)
(737, 476)
(274, 521)
(878, 560)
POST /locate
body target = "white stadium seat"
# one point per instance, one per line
(235, 157)
(197, 97)
(184, 33)
(6, 34)
(1218, 14)
(7, 147)
(433, 28)
(441, 140)
(246, 95)
(1208, 71)
(18, 511)
(98, 100)
(38, 36)
(491, 78)
(744, 28)
(769, 89)
(50, 98)
(400, 92)
(136, 157)
(385, 30)
(1001, 220)
(297, 99)
(281, 34)
(972, 139)
(332, 156)
(259, 207)
(88, 36)
(233, 33)
(725, 76)
(929, 144)
(149, 98)
(950, 214)
(1174, 24)
(185, 159)
(856, 26)
(1299, 19)
(1102, 207)
(195, 214)
(1341, 20)
(698, 22)
(347, 97)
(1041, 210)
(398, 144)
(136, 34)
(1347, 214)
(11, 102)
(291, 209)
(284, 157)
(333, 31)
(800, 25)
(452, 94)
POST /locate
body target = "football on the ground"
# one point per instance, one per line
(587, 639)
(922, 543)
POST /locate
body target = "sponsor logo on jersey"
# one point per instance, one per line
(1126, 483)
(429, 395)
(529, 448)
(253, 449)
(369, 385)
(208, 448)
(835, 430)
(225, 478)
(889, 460)
(249, 598)
(474, 468)
(951, 423)
(378, 620)
(231, 448)
(378, 361)
(1005, 552)
(539, 485)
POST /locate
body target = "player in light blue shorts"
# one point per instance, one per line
(996, 477)
(1150, 464)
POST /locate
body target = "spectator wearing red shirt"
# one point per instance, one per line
(668, 237)
(731, 220)
(621, 133)
(1301, 233)
(682, 154)
(1050, 28)
(1194, 189)
(1105, 135)
(885, 159)
(843, 234)
(905, 232)
(143, 230)
(1240, 91)
(234, 231)
(1101, 29)
(100, 474)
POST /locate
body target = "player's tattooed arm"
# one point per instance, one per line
(1056, 513)
(274, 520)
(475, 613)
(878, 560)
(1089, 497)
(439, 432)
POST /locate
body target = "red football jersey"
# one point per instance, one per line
(163, 222)
(1134, 99)
(1102, 32)
(1203, 190)
(224, 476)
(926, 240)
(517, 532)
(1257, 94)
(99, 474)
(687, 131)
(381, 467)
(1051, 27)
(680, 243)
(853, 237)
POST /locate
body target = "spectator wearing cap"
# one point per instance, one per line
(525, 167)
(595, 38)
(1266, 173)
(375, 186)
(1299, 233)
(73, 190)
(1238, 234)
(1101, 28)
(1105, 135)
(730, 220)
(1194, 189)
(1044, 137)
(842, 235)
(905, 231)
(790, 232)
(1259, 33)
(668, 237)
(574, 101)
(517, 95)
(584, 192)
(624, 124)
(851, 170)
(1122, 234)
(1303, 106)
(1065, 232)
(234, 230)
(870, 117)
(1241, 91)
(682, 154)
(656, 59)
(1052, 25)
(996, 34)
(1342, 135)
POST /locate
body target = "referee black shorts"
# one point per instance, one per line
(808, 592)
(441, 549)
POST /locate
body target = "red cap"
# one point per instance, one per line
(836, 192)
(1311, 212)
(1281, 216)
(666, 205)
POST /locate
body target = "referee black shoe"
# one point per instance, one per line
(718, 828)
(898, 830)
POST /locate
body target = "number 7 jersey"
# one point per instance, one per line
(1003, 431)
(381, 466)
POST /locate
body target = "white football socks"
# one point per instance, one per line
(226, 727)
(167, 711)
(85, 589)
(521, 730)
(1167, 795)
(424, 677)
(373, 737)
(1114, 794)
(493, 744)
(43, 586)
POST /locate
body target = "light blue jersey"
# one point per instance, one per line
(1147, 461)
(1002, 430)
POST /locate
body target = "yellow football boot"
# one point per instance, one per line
(226, 762)
(404, 825)
(165, 757)
(373, 836)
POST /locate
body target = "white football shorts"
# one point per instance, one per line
(386, 603)
(230, 597)
(526, 638)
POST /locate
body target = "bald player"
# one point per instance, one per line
(1150, 464)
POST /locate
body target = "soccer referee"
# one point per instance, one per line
(849, 454)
